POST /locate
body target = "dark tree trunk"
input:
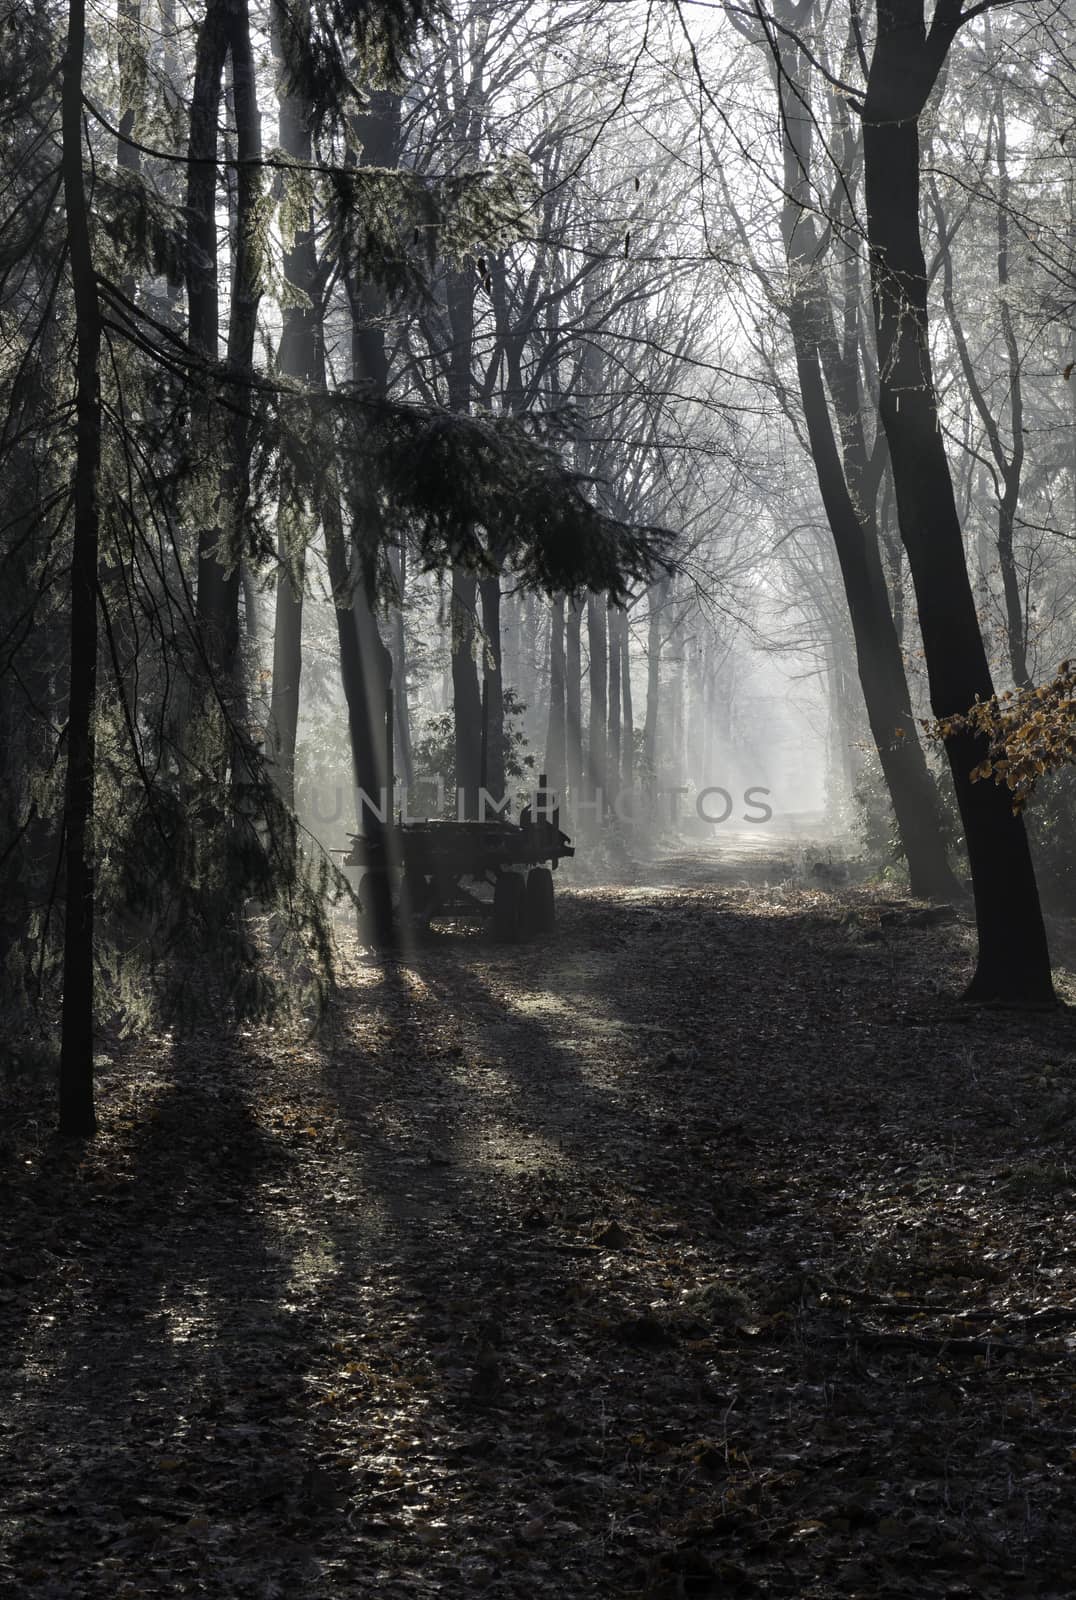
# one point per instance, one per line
(849, 490)
(494, 777)
(211, 50)
(401, 706)
(130, 58)
(1014, 962)
(225, 28)
(510, 638)
(375, 664)
(203, 320)
(1015, 625)
(219, 572)
(573, 700)
(599, 710)
(77, 1117)
(878, 656)
(614, 618)
(889, 535)
(466, 694)
(365, 672)
(556, 730)
(131, 61)
(365, 662)
(1012, 468)
(297, 359)
(627, 762)
(287, 670)
(378, 132)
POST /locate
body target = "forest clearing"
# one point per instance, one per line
(530, 1279)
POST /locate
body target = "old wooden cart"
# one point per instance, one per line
(412, 871)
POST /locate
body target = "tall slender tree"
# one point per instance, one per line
(77, 1115)
(297, 359)
(908, 56)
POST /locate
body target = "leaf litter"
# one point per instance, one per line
(709, 1250)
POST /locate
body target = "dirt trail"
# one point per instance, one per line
(709, 1250)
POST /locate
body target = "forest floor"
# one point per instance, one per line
(709, 1250)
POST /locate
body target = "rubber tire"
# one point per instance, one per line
(375, 898)
(510, 908)
(541, 906)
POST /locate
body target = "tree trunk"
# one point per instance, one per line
(1015, 623)
(211, 49)
(878, 656)
(77, 1117)
(365, 673)
(528, 677)
(614, 618)
(658, 596)
(556, 730)
(675, 749)
(466, 694)
(840, 733)
(1014, 962)
(219, 573)
(494, 778)
(707, 720)
(296, 359)
(131, 61)
(573, 700)
(375, 662)
(627, 762)
(365, 663)
(377, 130)
(849, 497)
(203, 318)
(597, 613)
(510, 638)
(401, 706)
(1015, 616)
(889, 535)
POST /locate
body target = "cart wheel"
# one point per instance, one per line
(541, 911)
(375, 898)
(510, 908)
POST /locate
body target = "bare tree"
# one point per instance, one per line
(1014, 962)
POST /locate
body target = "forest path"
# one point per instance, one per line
(706, 1250)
